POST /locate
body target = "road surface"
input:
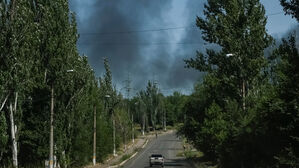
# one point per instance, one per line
(168, 145)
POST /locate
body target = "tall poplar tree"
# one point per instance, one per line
(238, 27)
(234, 73)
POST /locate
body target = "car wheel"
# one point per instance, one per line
(151, 165)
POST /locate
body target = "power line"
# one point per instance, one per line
(127, 86)
(139, 31)
(272, 14)
(152, 30)
(134, 44)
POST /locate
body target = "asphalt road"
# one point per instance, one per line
(168, 145)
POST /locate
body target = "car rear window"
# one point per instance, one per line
(156, 155)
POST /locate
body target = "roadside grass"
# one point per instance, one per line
(126, 156)
(195, 157)
(123, 158)
(137, 150)
(190, 154)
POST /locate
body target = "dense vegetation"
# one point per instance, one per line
(245, 112)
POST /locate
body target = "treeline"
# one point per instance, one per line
(38, 55)
(245, 112)
(154, 111)
(39, 62)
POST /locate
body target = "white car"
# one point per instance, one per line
(156, 159)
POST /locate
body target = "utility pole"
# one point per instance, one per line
(94, 135)
(138, 107)
(164, 118)
(156, 85)
(143, 123)
(114, 150)
(51, 162)
(51, 155)
(113, 121)
(243, 93)
(133, 140)
(128, 89)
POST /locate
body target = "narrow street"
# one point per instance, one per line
(168, 145)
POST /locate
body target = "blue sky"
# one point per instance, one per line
(277, 24)
(152, 55)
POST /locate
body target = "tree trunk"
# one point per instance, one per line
(3, 103)
(14, 132)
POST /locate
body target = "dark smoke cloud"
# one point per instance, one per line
(192, 36)
(146, 56)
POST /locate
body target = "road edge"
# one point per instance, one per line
(143, 146)
(125, 161)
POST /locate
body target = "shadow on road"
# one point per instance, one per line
(171, 163)
(166, 149)
(171, 140)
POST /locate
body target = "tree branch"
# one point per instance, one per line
(69, 102)
(3, 103)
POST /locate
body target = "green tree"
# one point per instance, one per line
(234, 74)
(291, 7)
(19, 38)
(238, 27)
(174, 108)
(286, 111)
(38, 52)
(141, 110)
(112, 99)
(153, 101)
(3, 134)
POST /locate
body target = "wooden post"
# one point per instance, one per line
(114, 150)
(51, 159)
(243, 94)
(94, 136)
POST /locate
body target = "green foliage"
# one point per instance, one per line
(215, 129)
(149, 105)
(104, 138)
(239, 115)
(3, 134)
(291, 7)
(38, 51)
(174, 108)
(287, 101)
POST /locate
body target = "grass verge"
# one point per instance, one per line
(195, 157)
(123, 158)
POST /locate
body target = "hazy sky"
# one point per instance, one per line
(149, 39)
